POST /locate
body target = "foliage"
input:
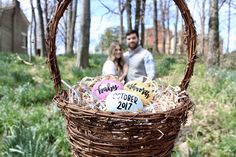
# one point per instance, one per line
(95, 62)
(27, 94)
(213, 123)
(228, 60)
(26, 142)
(224, 85)
(81, 73)
(110, 34)
(13, 75)
(164, 64)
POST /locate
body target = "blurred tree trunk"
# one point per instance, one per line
(121, 11)
(143, 22)
(65, 32)
(71, 20)
(74, 17)
(155, 17)
(83, 53)
(128, 10)
(46, 12)
(137, 15)
(203, 19)
(68, 25)
(68, 28)
(168, 26)
(42, 34)
(34, 24)
(31, 33)
(229, 21)
(176, 30)
(213, 57)
(163, 32)
(181, 41)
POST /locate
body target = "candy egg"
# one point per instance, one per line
(103, 88)
(123, 101)
(140, 89)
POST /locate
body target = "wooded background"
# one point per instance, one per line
(74, 28)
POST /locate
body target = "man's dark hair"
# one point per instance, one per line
(132, 32)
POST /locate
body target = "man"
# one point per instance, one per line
(140, 60)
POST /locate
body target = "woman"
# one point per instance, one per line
(115, 63)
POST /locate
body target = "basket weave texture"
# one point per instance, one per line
(94, 133)
(105, 134)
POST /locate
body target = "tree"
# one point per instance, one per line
(155, 48)
(83, 52)
(128, 10)
(34, 23)
(202, 16)
(142, 22)
(68, 28)
(121, 10)
(229, 19)
(46, 11)
(176, 30)
(137, 15)
(213, 57)
(42, 34)
(31, 32)
(163, 36)
(110, 34)
(168, 25)
(71, 20)
(181, 38)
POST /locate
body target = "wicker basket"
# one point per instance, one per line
(93, 133)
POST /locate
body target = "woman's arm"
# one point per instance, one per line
(125, 72)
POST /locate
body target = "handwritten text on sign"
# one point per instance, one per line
(141, 90)
(103, 88)
(123, 101)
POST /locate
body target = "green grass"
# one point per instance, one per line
(164, 66)
(25, 141)
(31, 124)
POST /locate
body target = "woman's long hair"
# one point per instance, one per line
(119, 62)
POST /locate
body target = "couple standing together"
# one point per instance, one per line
(135, 64)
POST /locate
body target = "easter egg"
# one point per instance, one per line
(103, 88)
(123, 101)
(140, 89)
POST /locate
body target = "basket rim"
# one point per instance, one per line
(66, 105)
(190, 40)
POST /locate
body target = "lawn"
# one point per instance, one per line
(31, 125)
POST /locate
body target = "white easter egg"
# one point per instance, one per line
(123, 101)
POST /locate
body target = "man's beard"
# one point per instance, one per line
(134, 46)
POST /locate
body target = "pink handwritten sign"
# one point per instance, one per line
(103, 88)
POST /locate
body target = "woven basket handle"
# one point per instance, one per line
(190, 41)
